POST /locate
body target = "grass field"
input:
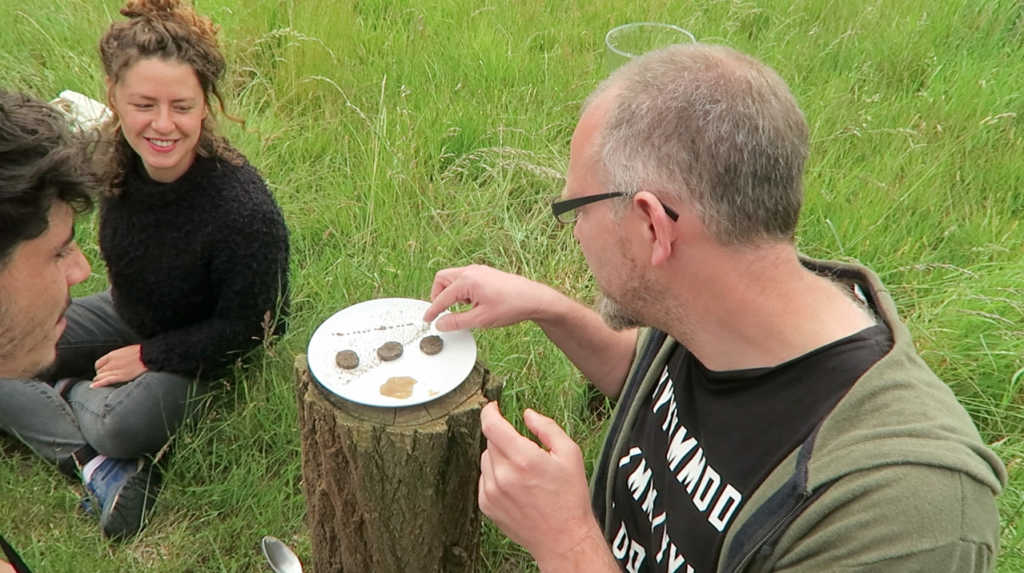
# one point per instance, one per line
(403, 137)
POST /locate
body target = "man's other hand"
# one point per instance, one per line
(537, 495)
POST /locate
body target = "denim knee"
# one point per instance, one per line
(120, 436)
(132, 419)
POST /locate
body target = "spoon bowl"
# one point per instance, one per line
(281, 558)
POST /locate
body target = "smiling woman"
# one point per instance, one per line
(162, 108)
(196, 250)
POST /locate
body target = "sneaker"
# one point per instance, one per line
(124, 490)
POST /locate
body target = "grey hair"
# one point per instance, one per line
(714, 128)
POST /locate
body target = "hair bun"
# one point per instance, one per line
(150, 8)
(172, 11)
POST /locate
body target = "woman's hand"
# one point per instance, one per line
(121, 365)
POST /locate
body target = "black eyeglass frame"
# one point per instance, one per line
(566, 205)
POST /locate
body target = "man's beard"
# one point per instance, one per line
(12, 350)
(615, 309)
(46, 373)
(614, 315)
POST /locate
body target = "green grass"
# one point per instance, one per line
(403, 137)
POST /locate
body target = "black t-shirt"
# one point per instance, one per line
(705, 440)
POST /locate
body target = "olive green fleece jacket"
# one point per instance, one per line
(895, 478)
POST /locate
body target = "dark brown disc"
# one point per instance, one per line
(347, 359)
(389, 351)
(431, 345)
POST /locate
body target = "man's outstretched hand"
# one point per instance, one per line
(497, 298)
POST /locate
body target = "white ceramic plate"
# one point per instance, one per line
(363, 328)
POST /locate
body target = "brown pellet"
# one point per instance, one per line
(389, 351)
(347, 359)
(431, 345)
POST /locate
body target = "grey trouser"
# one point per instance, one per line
(122, 421)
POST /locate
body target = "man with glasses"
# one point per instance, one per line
(772, 411)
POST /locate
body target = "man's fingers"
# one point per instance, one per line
(486, 465)
(501, 435)
(447, 323)
(450, 294)
(550, 434)
(436, 287)
(443, 278)
(486, 481)
(481, 495)
(461, 320)
(436, 308)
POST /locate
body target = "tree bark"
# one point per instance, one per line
(393, 489)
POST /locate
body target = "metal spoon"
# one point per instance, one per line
(281, 558)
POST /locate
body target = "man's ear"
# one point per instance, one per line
(660, 230)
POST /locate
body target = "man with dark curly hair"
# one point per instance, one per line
(43, 184)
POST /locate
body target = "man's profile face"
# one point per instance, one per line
(596, 229)
(35, 284)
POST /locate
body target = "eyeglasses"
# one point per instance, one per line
(565, 211)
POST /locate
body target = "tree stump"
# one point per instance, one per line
(393, 489)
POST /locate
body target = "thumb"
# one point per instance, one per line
(550, 434)
(449, 322)
(475, 317)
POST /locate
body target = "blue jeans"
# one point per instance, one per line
(126, 420)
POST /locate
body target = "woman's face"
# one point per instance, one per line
(162, 107)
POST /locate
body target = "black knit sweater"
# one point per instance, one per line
(197, 265)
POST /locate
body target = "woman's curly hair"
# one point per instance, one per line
(169, 30)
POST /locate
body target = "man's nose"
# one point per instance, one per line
(78, 268)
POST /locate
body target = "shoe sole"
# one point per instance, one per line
(132, 505)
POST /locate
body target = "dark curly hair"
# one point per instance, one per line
(167, 30)
(41, 161)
